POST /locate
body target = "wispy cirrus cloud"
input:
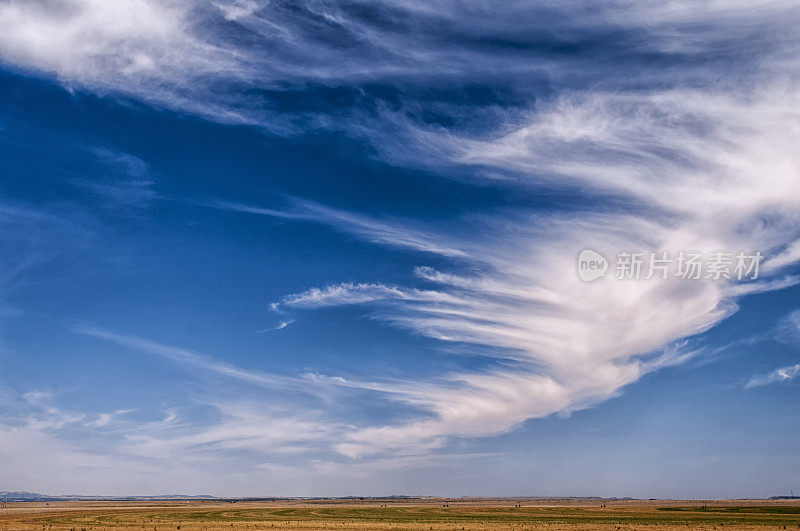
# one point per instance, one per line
(105, 419)
(188, 358)
(279, 326)
(226, 60)
(246, 445)
(308, 383)
(781, 374)
(38, 238)
(128, 182)
(385, 231)
(787, 332)
(112, 451)
(243, 426)
(693, 173)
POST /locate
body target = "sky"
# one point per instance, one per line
(268, 248)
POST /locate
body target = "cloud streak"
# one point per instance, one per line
(781, 374)
(128, 185)
(694, 173)
(384, 231)
(188, 358)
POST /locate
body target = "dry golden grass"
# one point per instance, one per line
(416, 514)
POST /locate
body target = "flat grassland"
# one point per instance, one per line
(412, 513)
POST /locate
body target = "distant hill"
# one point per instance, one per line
(21, 496)
(17, 496)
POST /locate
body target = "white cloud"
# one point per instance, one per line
(128, 182)
(191, 359)
(64, 452)
(693, 163)
(35, 397)
(694, 154)
(37, 238)
(248, 447)
(780, 374)
(789, 256)
(207, 58)
(105, 45)
(105, 419)
(243, 426)
(388, 231)
(342, 294)
(280, 326)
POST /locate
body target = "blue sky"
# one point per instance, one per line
(265, 248)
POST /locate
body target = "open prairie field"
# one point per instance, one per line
(416, 514)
